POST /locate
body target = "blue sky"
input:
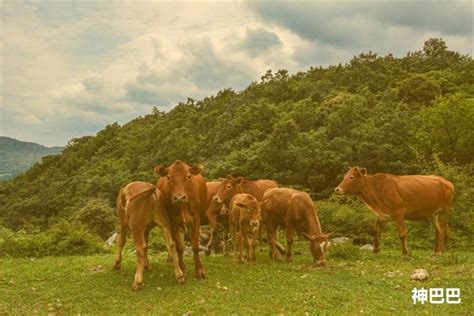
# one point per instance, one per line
(70, 68)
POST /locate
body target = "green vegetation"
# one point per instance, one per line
(17, 156)
(409, 115)
(374, 285)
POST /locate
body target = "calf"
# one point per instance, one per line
(231, 186)
(212, 214)
(398, 198)
(294, 210)
(140, 207)
(244, 217)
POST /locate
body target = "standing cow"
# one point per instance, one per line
(184, 193)
(394, 197)
(231, 186)
(294, 210)
(140, 207)
(212, 214)
(244, 218)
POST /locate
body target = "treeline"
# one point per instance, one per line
(406, 115)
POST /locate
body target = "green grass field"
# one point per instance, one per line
(358, 283)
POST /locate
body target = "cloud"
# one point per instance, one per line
(259, 41)
(70, 68)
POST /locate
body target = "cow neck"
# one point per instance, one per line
(368, 191)
(314, 226)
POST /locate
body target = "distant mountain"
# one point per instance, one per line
(17, 156)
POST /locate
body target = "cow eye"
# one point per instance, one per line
(248, 210)
(229, 187)
(189, 176)
(168, 177)
(351, 177)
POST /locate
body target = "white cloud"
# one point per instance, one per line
(68, 69)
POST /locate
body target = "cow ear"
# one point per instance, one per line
(241, 205)
(363, 171)
(196, 169)
(161, 171)
(240, 180)
(221, 179)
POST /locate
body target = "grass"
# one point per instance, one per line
(362, 284)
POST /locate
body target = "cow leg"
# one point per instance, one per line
(173, 255)
(289, 242)
(253, 242)
(213, 224)
(443, 224)
(377, 235)
(225, 233)
(147, 235)
(272, 236)
(402, 232)
(195, 245)
(233, 231)
(139, 239)
(121, 243)
(243, 237)
(437, 250)
(178, 236)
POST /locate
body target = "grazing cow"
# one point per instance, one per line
(184, 193)
(284, 207)
(244, 216)
(231, 186)
(402, 197)
(140, 207)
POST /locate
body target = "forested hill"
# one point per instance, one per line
(17, 156)
(400, 115)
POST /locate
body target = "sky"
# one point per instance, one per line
(70, 68)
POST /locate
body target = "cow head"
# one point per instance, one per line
(352, 182)
(178, 177)
(252, 211)
(229, 187)
(319, 244)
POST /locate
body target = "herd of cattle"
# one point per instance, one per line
(182, 198)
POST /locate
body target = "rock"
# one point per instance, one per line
(340, 240)
(111, 239)
(367, 247)
(419, 275)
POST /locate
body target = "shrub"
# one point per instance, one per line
(98, 217)
(344, 251)
(63, 238)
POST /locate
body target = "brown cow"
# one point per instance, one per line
(140, 207)
(231, 186)
(402, 197)
(284, 207)
(244, 216)
(184, 192)
(212, 213)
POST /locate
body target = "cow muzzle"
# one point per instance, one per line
(338, 190)
(179, 199)
(254, 224)
(217, 199)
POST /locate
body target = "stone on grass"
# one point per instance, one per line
(340, 240)
(367, 247)
(419, 275)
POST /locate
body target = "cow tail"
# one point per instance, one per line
(151, 189)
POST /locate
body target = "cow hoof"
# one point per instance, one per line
(208, 252)
(117, 265)
(181, 279)
(289, 259)
(437, 254)
(406, 258)
(136, 286)
(200, 275)
(376, 250)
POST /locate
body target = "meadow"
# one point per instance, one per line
(353, 282)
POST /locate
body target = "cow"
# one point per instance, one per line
(184, 192)
(244, 217)
(294, 210)
(400, 198)
(212, 214)
(231, 186)
(140, 207)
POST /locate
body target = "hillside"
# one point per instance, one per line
(413, 114)
(18, 156)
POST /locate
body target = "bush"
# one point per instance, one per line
(98, 217)
(345, 251)
(63, 238)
